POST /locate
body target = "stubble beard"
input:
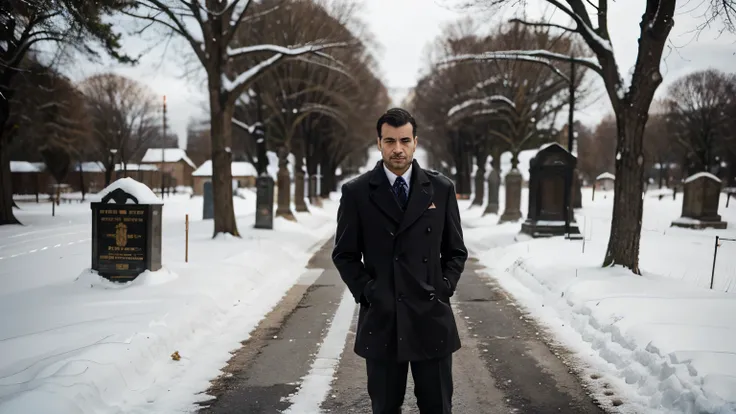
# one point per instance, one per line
(399, 165)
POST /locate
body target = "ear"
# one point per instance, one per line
(378, 143)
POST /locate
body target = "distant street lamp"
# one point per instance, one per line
(163, 140)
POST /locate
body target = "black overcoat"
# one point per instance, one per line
(402, 267)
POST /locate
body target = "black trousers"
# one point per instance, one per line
(432, 385)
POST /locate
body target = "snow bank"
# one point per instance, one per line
(137, 189)
(661, 342)
(86, 345)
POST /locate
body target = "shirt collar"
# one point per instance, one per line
(392, 177)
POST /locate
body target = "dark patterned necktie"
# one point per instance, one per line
(400, 191)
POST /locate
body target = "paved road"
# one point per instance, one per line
(503, 367)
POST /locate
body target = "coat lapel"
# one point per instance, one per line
(420, 197)
(382, 195)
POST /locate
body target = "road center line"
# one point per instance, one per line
(316, 384)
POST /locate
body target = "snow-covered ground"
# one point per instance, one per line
(662, 342)
(72, 342)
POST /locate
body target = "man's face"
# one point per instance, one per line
(397, 147)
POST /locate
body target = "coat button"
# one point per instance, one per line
(396, 258)
(401, 297)
(391, 233)
(425, 260)
(429, 229)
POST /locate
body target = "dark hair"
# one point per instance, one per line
(397, 117)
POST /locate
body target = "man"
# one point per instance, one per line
(399, 248)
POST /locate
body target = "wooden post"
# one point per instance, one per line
(186, 248)
(713, 272)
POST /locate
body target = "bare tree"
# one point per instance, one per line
(697, 111)
(291, 101)
(124, 118)
(25, 24)
(496, 105)
(659, 148)
(630, 103)
(48, 113)
(210, 27)
(597, 149)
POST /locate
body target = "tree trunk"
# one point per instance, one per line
(222, 158)
(6, 181)
(632, 111)
(299, 203)
(628, 204)
(329, 181)
(81, 180)
(480, 179)
(108, 174)
(312, 163)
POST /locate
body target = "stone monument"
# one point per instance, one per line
(702, 193)
(264, 202)
(550, 186)
(283, 208)
(126, 231)
(512, 209)
(208, 202)
(494, 183)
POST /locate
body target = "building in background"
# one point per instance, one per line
(29, 178)
(176, 166)
(88, 176)
(147, 174)
(244, 175)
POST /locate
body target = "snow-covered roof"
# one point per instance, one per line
(702, 175)
(136, 167)
(90, 166)
(23, 167)
(170, 155)
(606, 176)
(137, 189)
(238, 169)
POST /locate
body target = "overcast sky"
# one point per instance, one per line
(404, 28)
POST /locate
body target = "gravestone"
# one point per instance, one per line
(264, 202)
(512, 209)
(283, 205)
(604, 182)
(126, 231)
(702, 193)
(550, 186)
(494, 183)
(314, 198)
(208, 205)
(577, 194)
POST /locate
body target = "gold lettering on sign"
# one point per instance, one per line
(121, 235)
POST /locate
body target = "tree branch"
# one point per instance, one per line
(536, 56)
(541, 24)
(180, 27)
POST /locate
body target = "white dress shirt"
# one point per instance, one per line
(392, 177)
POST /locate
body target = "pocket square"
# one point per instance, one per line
(432, 206)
